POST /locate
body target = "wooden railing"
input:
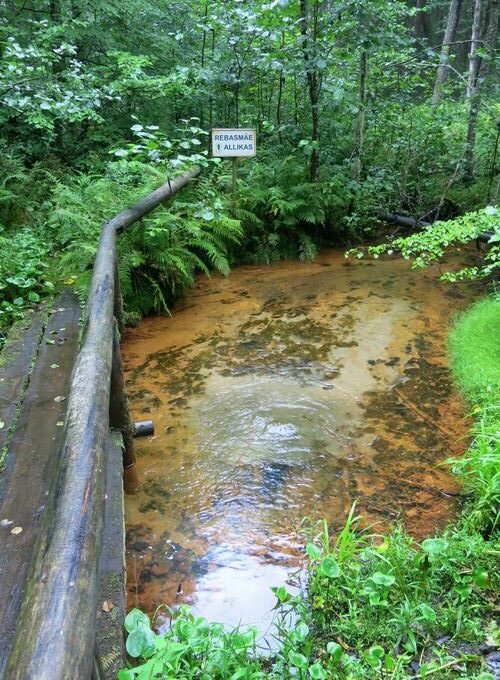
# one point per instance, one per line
(55, 633)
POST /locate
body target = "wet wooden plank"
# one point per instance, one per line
(15, 364)
(32, 457)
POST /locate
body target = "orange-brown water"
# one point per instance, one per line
(278, 393)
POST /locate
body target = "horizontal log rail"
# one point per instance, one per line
(55, 633)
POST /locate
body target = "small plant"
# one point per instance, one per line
(192, 648)
(24, 274)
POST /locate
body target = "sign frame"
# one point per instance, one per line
(237, 137)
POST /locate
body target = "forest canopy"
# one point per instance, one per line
(359, 107)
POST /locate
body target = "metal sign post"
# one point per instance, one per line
(234, 143)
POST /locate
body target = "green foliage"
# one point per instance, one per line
(389, 600)
(475, 355)
(430, 244)
(190, 646)
(475, 350)
(152, 145)
(283, 214)
(160, 256)
(23, 274)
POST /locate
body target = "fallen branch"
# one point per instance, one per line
(416, 411)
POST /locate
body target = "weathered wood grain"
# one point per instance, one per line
(16, 360)
(32, 459)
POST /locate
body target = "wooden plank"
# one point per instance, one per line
(31, 459)
(16, 360)
(112, 594)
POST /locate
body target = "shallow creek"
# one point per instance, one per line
(278, 393)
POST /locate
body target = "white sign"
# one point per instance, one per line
(231, 143)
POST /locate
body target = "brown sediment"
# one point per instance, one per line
(278, 393)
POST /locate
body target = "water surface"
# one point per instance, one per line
(278, 393)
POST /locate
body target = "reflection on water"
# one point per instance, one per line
(278, 393)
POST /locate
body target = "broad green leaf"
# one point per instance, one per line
(381, 579)
(434, 546)
(134, 619)
(313, 551)
(317, 672)
(298, 660)
(140, 642)
(330, 568)
(335, 650)
(301, 631)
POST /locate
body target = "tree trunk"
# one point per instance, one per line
(449, 37)
(280, 94)
(473, 55)
(360, 123)
(309, 39)
(202, 58)
(475, 100)
(421, 20)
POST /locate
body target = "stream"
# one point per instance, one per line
(280, 393)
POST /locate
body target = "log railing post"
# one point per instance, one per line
(119, 412)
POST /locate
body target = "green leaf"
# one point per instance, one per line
(330, 568)
(317, 672)
(375, 655)
(174, 651)
(301, 631)
(298, 660)
(313, 551)
(335, 650)
(140, 642)
(434, 546)
(282, 594)
(381, 579)
(428, 613)
(134, 619)
(481, 578)
(126, 674)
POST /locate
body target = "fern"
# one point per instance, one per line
(160, 257)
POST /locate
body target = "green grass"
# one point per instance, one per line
(474, 345)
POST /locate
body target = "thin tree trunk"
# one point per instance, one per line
(202, 56)
(280, 94)
(475, 100)
(473, 55)
(312, 81)
(295, 102)
(449, 37)
(493, 163)
(211, 100)
(360, 123)
(421, 20)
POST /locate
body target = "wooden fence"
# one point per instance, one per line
(55, 633)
